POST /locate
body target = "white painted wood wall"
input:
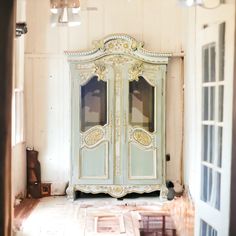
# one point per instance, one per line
(18, 150)
(160, 24)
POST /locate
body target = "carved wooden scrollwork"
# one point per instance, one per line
(136, 71)
(86, 73)
(100, 71)
(118, 44)
(117, 59)
(136, 45)
(117, 191)
(99, 44)
(85, 76)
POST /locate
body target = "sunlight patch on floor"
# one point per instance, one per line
(57, 216)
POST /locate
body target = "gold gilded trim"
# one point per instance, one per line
(142, 137)
(136, 71)
(117, 191)
(93, 137)
(100, 71)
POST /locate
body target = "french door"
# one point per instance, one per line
(215, 68)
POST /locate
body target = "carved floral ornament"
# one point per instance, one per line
(136, 71)
(120, 44)
(100, 71)
(86, 74)
(117, 59)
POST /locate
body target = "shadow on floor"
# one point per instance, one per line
(128, 196)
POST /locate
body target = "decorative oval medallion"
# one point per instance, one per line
(118, 190)
(93, 137)
(142, 137)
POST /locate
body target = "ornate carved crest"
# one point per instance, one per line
(118, 44)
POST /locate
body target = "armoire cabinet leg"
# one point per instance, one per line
(163, 192)
(70, 192)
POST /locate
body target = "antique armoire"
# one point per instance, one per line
(117, 118)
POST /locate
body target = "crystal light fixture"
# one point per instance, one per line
(65, 12)
(201, 3)
(190, 2)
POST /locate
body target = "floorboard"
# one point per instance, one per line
(23, 210)
(57, 216)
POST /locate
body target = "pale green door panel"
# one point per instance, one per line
(141, 163)
(94, 162)
(91, 124)
(144, 141)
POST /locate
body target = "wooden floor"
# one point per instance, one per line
(23, 210)
(182, 212)
(57, 216)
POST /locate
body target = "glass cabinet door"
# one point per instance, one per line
(143, 152)
(141, 104)
(93, 104)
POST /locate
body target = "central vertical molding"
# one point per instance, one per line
(118, 88)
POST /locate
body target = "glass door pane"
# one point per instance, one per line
(141, 104)
(93, 104)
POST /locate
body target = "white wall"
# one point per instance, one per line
(19, 170)
(18, 149)
(159, 23)
(190, 103)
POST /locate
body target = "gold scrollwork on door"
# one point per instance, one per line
(142, 137)
(93, 137)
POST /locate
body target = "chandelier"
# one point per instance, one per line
(190, 2)
(65, 12)
(201, 3)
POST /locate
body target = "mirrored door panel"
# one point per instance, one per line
(93, 104)
(141, 104)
